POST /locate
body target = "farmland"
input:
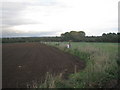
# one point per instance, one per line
(25, 64)
(102, 64)
(84, 65)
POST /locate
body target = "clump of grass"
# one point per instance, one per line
(100, 69)
(49, 81)
(52, 81)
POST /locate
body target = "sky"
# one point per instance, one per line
(37, 18)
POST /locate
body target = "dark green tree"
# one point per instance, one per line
(73, 35)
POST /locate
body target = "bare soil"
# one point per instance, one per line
(26, 62)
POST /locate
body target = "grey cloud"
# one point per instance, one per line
(11, 16)
(11, 11)
(11, 33)
(14, 22)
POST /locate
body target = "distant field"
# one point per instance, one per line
(101, 63)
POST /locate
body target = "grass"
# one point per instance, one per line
(101, 65)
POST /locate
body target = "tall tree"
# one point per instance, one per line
(74, 35)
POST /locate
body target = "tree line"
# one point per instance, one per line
(75, 36)
(80, 37)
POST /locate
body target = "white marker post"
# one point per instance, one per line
(68, 46)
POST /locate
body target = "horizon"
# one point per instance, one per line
(51, 36)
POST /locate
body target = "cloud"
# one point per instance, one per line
(15, 14)
(13, 33)
(11, 14)
(24, 17)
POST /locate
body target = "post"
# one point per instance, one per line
(75, 69)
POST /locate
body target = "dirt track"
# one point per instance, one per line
(26, 62)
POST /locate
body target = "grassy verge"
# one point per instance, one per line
(101, 65)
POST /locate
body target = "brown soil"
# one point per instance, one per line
(25, 62)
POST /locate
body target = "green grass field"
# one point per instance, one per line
(101, 64)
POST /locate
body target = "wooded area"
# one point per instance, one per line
(75, 36)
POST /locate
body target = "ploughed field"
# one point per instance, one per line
(23, 63)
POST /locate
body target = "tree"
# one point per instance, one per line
(73, 35)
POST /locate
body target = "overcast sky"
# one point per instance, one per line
(53, 17)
